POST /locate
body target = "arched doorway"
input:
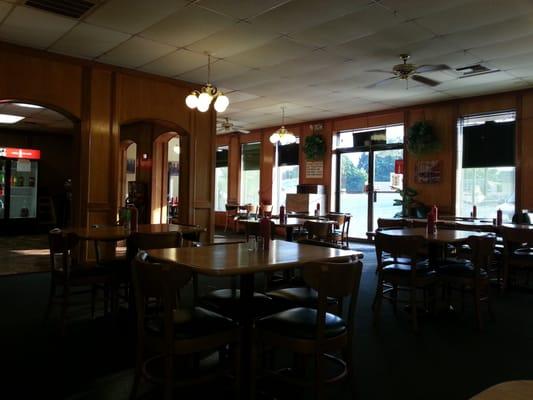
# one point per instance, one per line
(39, 166)
(161, 169)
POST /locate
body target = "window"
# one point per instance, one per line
(130, 169)
(285, 174)
(486, 165)
(173, 159)
(250, 175)
(221, 179)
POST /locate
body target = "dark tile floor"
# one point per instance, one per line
(448, 359)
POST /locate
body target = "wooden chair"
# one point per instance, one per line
(231, 212)
(339, 234)
(314, 332)
(300, 295)
(174, 330)
(517, 252)
(410, 275)
(67, 272)
(472, 274)
(193, 237)
(317, 230)
(394, 223)
(267, 210)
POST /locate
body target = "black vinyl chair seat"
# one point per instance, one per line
(422, 269)
(191, 323)
(300, 323)
(460, 269)
(523, 253)
(298, 297)
(227, 302)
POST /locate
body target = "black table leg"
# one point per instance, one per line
(247, 324)
(289, 236)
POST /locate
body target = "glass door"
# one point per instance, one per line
(369, 173)
(23, 190)
(353, 190)
(386, 184)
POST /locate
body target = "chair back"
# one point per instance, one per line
(514, 238)
(267, 210)
(145, 241)
(398, 246)
(61, 246)
(482, 251)
(319, 243)
(338, 218)
(158, 280)
(392, 223)
(317, 230)
(191, 236)
(254, 229)
(334, 279)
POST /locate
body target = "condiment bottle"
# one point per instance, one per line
(499, 217)
(282, 213)
(474, 211)
(265, 232)
(431, 223)
(435, 211)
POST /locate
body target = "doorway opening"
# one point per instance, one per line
(368, 174)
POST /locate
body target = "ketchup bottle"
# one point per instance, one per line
(282, 214)
(435, 211)
(474, 211)
(499, 217)
(265, 232)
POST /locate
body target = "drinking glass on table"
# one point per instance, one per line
(252, 245)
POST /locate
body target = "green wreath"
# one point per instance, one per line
(421, 139)
(314, 147)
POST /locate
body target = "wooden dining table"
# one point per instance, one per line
(118, 232)
(511, 390)
(289, 224)
(237, 260)
(436, 240)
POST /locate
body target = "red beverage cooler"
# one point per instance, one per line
(18, 183)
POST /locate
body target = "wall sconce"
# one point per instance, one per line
(145, 156)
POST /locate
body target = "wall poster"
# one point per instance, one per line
(314, 169)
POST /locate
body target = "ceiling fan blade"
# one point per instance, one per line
(243, 130)
(380, 70)
(430, 68)
(424, 80)
(381, 82)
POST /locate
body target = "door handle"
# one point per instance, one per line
(375, 196)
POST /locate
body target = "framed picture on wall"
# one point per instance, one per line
(130, 166)
(428, 171)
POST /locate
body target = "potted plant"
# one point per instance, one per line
(409, 204)
(314, 147)
(421, 139)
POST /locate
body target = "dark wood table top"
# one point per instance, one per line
(511, 390)
(236, 259)
(115, 233)
(440, 235)
(291, 221)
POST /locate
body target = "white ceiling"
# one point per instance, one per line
(312, 56)
(36, 119)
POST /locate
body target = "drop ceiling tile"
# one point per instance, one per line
(297, 15)
(498, 32)
(522, 72)
(364, 22)
(274, 88)
(388, 43)
(503, 49)
(250, 78)
(418, 8)
(482, 89)
(4, 9)
(510, 62)
(274, 52)
(188, 25)
(133, 16)
(88, 41)
(238, 96)
(485, 79)
(219, 70)
(240, 9)
(454, 60)
(136, 52)
(315, 60)
(233, 40)
(176, 63)
(20, 27)
(474, 14)
(257, 103)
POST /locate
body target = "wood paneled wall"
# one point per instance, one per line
(443, 116)
(100, 99)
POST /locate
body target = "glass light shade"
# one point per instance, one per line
(191, 101)
(203, 102)
(221, 103)
(274, 138)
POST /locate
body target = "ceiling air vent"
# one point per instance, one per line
(68, 8)
(474, 70)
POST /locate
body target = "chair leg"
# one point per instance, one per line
(237, 367)
(413, 308)
(378, 299)
(138, 369)
(319, 379)
(64, 306)
(93, 300)
(395, 298)
(51, 297)
(477, 306)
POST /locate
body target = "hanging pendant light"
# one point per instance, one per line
(282, 135)
(202, 99)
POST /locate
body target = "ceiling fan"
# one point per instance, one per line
(225, 126)
(408, 71)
